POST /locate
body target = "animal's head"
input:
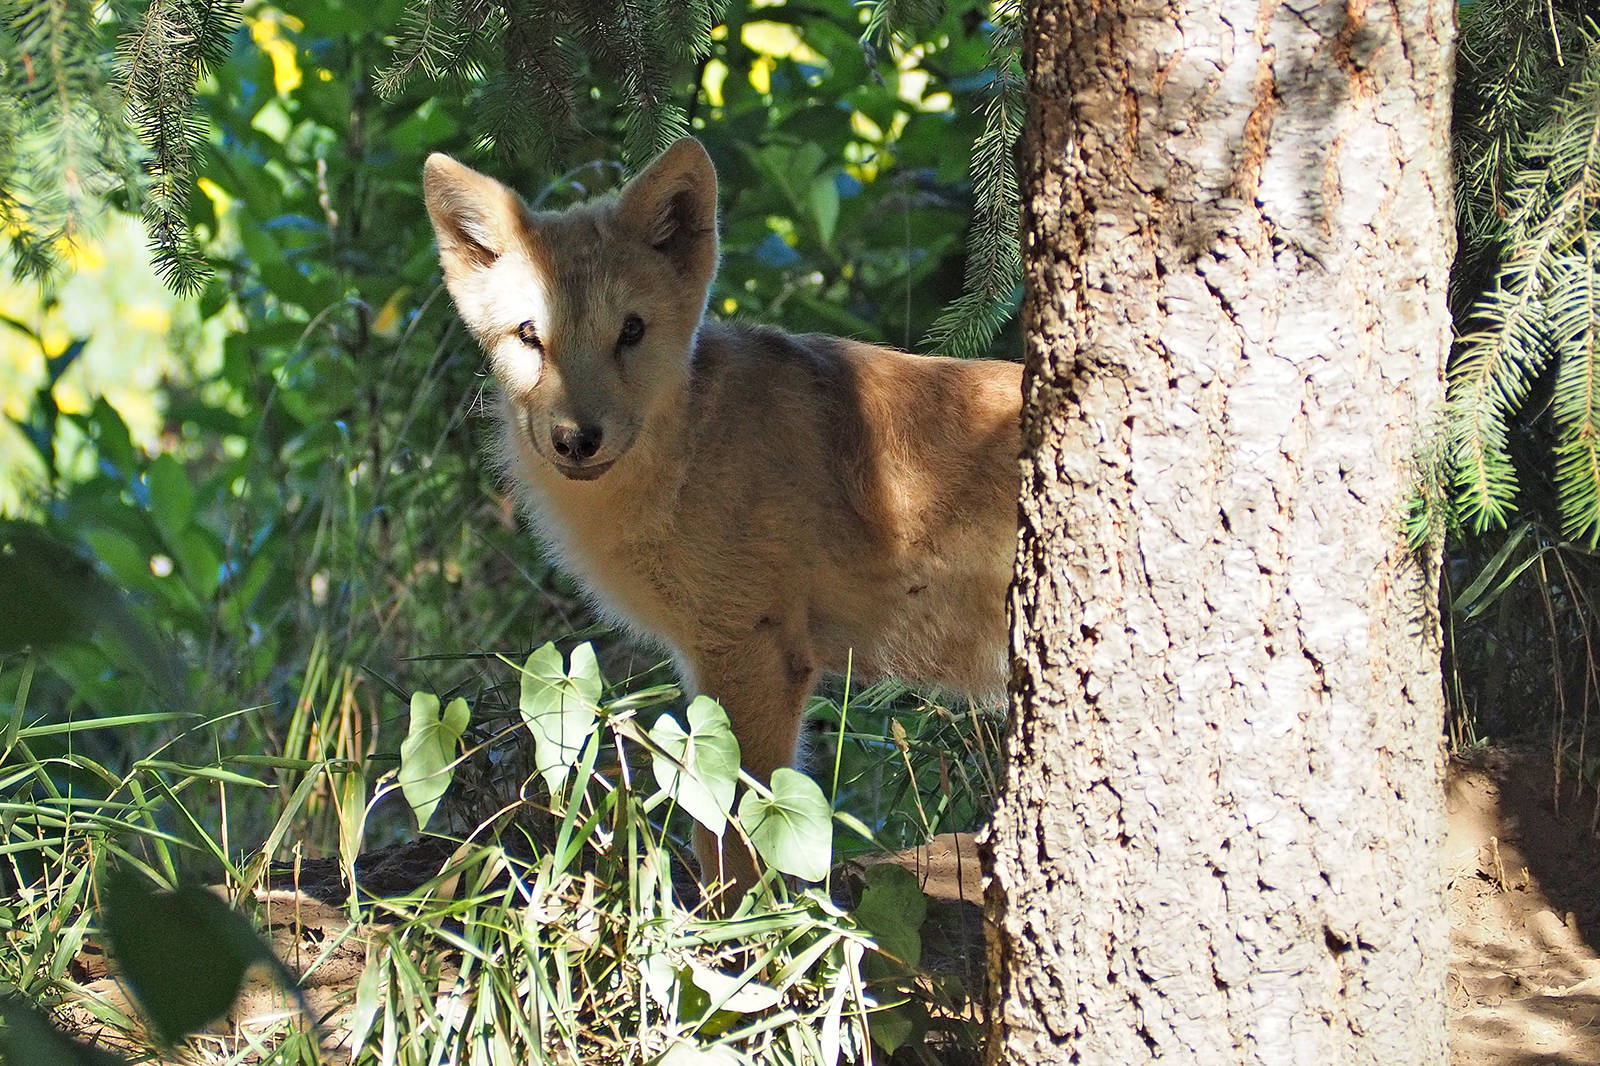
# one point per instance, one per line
(588, 315)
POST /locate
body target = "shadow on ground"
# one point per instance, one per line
(1524, 893)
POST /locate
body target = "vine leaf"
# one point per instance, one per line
(698, 769)
(428, 754)
(792, 829)
(560, 706)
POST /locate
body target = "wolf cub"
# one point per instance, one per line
(760, 503)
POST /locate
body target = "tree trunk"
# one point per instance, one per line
(1218, 841)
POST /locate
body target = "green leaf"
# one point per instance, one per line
(366, 1011)
(428, 752)
(213, 298)
(1466, 602)
(48, 593)
(198, 560)
(689, 1055)
(792, 829)
(50, 596)
(825, 205)
(892, 909)
(560, 707)
(111, 435)
(741, 995)
(351, 789)
(892, 1028)
(27, 1039)
(698, 769)
(127, 560)
(171, 498)
(184, 953)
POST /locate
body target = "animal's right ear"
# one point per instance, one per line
(474, 217)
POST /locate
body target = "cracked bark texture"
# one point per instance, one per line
(1219, 837)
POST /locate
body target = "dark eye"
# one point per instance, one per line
(528, 335)
(632, 331)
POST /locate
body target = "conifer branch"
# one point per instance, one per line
(1543, 308)
(653, 121)
(175, 44)
(443, 41)
(61, 137)
(994, 252)
(887, 19)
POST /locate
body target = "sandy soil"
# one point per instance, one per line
(1524, 892)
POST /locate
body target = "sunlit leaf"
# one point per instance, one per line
(729, 992)
(560, 706)
(690, 1055)
(428, 752)
(792, 830)
(699, 769)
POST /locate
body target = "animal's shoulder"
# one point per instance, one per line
(751, 356)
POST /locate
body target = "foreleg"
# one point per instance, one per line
(762, 682)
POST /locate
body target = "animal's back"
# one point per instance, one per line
(878, 488)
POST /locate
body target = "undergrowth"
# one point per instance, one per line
(563, 925)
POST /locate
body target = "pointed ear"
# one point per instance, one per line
(474, 216)
(672, 204)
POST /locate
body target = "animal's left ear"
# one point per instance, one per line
(672, 204)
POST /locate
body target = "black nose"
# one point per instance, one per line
(575, 443)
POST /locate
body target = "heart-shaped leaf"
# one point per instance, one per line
(793, 829)
(689, 1055)
(560, 707)
(893, 1027)
(728, 992)
(892, 909)
(698, 769)
(428, 753)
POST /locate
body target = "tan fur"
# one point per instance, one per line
(774, 502)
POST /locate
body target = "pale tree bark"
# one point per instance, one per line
(1218, 841)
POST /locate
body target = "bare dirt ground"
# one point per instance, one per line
(1524, 896)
